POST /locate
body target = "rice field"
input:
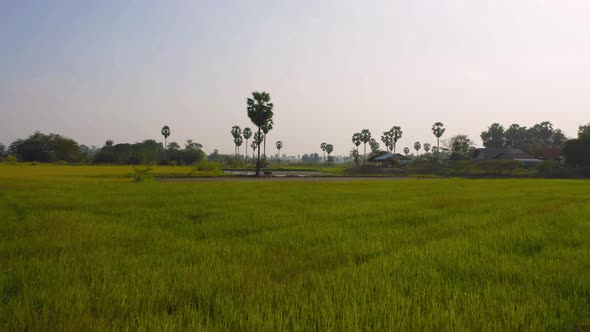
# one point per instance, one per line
(85, 248)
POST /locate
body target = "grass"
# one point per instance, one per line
(84, 248)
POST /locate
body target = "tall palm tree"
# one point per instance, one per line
(406, 150)
(329, 149)
(438, 130)
(417, 147)
(236, 132)
(396, 133)
(166, 133)
(365, 138)
(426, 147)
(238, 141)
(253, 146)
(356, 140)
(265, 129)
(279, 147)
(259, 112)
(323, 146)
(387, 140)
(247, 134)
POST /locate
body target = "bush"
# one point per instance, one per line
(139, 173)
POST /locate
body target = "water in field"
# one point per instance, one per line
(275, 173)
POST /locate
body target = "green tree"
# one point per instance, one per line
(417, 147)
(279, 145)
(247, 135)
(407, 150)
(166, 133)
(2, 150)
(192, 145)
(236, 133)
(494, 136)
(365, 138)
(374, 145)
(460, 146)
(438, 130)
(253, 146)
(173, 146)
(46, 148)
(356, 140)
(387, 140)
(427, 147)
(323, 147)
(259, 111)
(329, 149)
(238, 142)
(265, 129)
(395, 133)
(584, 133)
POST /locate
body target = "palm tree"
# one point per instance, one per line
(265, 129)
(387, 140)
(426, 147)
(238, 141)
(329, 149)
(253, 146)
(236, 132)
(247, 134)
(323, 146)
(396, 133)
(365, 138)
(417, 147)
(279, 147)
(438, 130)
(356, 140)
(406, 150)
(165, 132)
(259, 112)
(258, 138)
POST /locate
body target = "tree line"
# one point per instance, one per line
(53, 147)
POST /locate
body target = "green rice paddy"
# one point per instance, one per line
(84, 248)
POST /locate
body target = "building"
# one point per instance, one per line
(392, 159)
(504, 154)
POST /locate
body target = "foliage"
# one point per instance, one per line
(46, 148)
(577, 152)
(139, 173)
(406, 150)
(417, 147)
(260, 113)
(311, 158)
(461, 147)
(532, 140)
(374, 145)
(584, 133)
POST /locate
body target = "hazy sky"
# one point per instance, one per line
(97, 70)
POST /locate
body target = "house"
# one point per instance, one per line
(504, 154)
(552, 154)
(392, 159)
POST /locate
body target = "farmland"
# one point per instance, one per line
(83, 247)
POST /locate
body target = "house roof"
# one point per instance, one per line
(501, 154)
(388, 156)
(552, 153)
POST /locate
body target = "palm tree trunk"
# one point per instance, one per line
(264, 154)
(365, 153)
(246, 153)
(258, 162)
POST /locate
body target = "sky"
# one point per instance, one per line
(120, 70)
